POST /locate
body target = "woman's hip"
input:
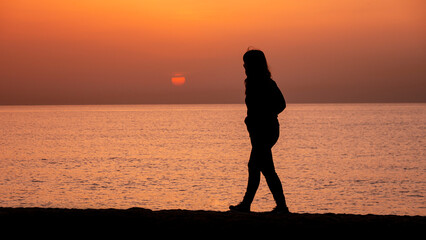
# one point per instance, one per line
(264, 136)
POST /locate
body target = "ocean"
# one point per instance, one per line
(331, 158)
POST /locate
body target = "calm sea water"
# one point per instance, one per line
(339, 158)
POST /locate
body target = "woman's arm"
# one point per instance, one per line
(279, 101)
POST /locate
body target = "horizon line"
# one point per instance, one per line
(106, 104)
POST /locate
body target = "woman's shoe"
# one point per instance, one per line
(241, 207)
(281, 210)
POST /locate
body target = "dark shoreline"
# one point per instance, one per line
(186, 220)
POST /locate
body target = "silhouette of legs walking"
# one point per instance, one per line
(261, 161)
(262, 141)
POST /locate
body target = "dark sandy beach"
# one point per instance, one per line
(212, 221)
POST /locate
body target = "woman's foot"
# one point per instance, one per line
(281, 210)
(241, 207)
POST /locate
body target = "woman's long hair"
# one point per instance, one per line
(256, 67)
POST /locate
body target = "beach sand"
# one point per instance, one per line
(164, 221)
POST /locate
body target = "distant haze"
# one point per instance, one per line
(127, 51)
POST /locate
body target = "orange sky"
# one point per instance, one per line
(126, 51)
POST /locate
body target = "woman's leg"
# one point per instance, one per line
(272, 179)
(252, 184)
(253, 178)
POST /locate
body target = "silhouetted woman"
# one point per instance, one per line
(264, 102)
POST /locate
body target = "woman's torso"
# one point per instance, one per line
(264, 102)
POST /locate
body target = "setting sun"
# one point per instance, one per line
(178, 79)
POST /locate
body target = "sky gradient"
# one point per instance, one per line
(128, 51)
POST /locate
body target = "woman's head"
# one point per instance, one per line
(256, 65)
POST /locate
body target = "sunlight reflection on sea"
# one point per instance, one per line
(340, 158)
